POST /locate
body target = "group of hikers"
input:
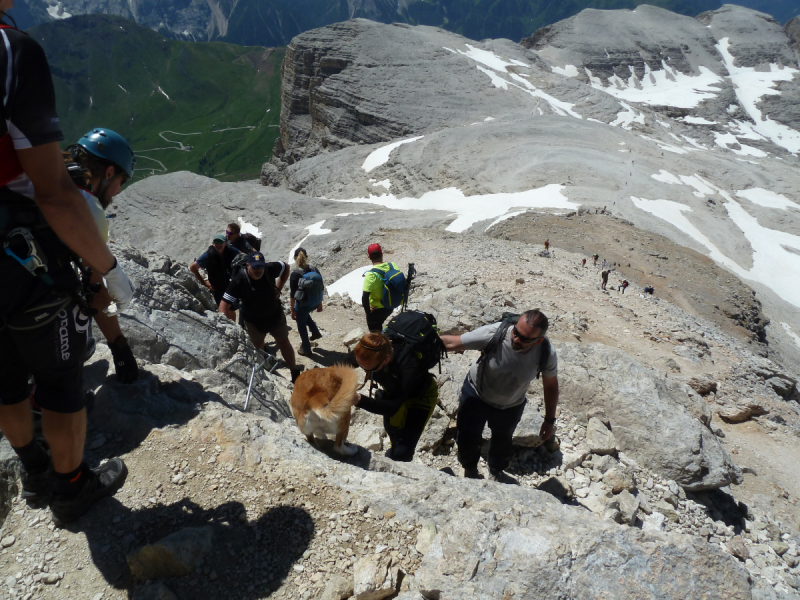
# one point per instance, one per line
(59, 273)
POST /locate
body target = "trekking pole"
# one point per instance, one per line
(411, 273)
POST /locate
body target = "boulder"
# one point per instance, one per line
(556, 487)
(599, 439)
(527, 432)
(337, 588)
(370, 437)
(738, 548)
(374, 577)
(703, 385)
(743, 411)
(352, 337)
(176, 555)
(628, 507)
(651, 415)
(618, 481)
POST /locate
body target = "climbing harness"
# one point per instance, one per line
(34, 260)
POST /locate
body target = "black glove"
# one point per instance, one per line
(124, 362)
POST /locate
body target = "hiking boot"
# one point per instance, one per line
(100, 482)
(36, 485)
(472, 473)
(315, 336)
(502, 477)
(302, 352)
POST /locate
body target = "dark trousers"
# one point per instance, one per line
(473, 415)
(375, 319)
(405, 427)
(304, 323)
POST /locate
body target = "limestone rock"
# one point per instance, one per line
(176, 555)
(618, 481)
(649, 413)
(370, 438)
(337, 588)
(703, 386)
(527, 432)
(556, 487)
(780, 548)
(425, 537)
(738, 548)
(374, 578)
(599, 438)
(352, 337)
(628, 507)
(666, 509)
(654, 522)
(743, 411)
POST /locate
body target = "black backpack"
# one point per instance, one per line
(254, 241)
(509, 320)
(416, 331)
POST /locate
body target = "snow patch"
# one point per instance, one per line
(750, 86)
(386, 183)
(472, 209)
(163, 92)
(666, 87)
(351, 284)
(381, 155)
(666, 177)
(566, 71)
(315, 229)
(791, 333)
(626, 117)
(726, 140)
(249, 228)
(504, 217)
(767, 199)
(698, 121)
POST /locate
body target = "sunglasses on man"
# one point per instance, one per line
(523, 339)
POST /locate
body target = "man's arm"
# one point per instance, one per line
(195, 268)
(550, 389)
(452, 343)
(225, 309)
(283, 278)
(63, 207)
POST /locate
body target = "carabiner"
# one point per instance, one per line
(34, 261)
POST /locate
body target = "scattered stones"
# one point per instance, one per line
(8, 541)
(338, 588)
(176, 555)
(374, 578)
(667, 510)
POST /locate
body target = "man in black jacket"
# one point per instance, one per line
(260, 297)
(217, 263)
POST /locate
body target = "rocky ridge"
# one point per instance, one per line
(379, 527)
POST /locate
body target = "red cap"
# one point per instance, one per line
(374, 249)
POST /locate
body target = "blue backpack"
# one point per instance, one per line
(309, 289)
(394, 286)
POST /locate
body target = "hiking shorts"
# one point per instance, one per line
(53, 354)
(277, 328)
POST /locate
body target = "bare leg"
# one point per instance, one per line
(285, 346)
(16, 424)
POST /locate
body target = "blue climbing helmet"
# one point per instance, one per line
(110, 146)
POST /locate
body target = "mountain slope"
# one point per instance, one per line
(276, 22)
(207, 108)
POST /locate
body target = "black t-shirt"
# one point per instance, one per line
(241, 244)
(260, 302)
(27, 107)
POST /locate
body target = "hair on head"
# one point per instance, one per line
(301, 259)
(234, 228)
(95, 165)
(372, 348)
(537, 319)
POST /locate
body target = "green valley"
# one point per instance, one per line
(211, 108)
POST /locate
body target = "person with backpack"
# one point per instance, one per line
(408, 391)
(305, 287)
(513, 353)
(100, 163)
(384, 289)
(243, 242)
(44, 223)
(218, 263)
(254, 287)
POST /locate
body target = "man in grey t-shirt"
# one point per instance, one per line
(494, 390)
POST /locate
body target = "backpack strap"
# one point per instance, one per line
(496, 340)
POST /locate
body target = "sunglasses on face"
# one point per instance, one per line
(218, 243)
(523, 339)
(230, 233)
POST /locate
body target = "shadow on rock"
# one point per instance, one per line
(722, 506)
(328, 358)
(197, 553)
(125, 414)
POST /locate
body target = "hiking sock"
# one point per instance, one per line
(33, 457)
(68, 485)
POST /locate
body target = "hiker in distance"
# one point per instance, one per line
(306, 280)
(100, 163)
(408, 392)
(217, 262)
(45, 222)
(383, 290)
(255, 288)
(513, 353)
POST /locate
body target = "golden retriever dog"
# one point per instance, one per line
(321, 404)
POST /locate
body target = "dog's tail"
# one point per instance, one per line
(340, 404)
